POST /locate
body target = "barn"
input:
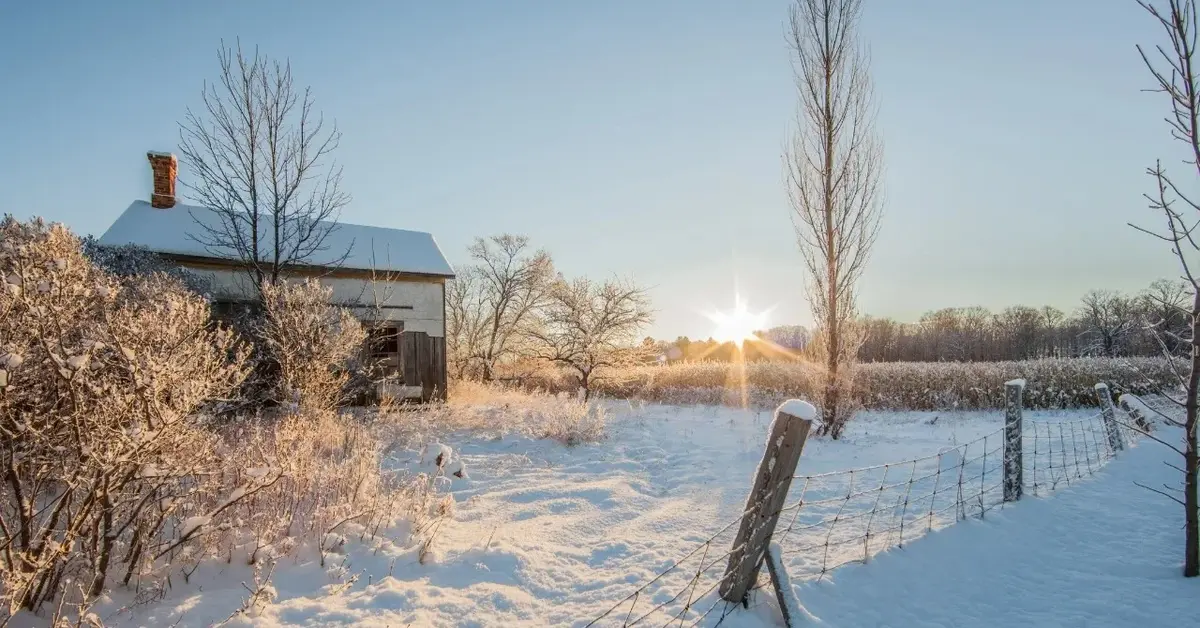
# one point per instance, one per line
(392, 279)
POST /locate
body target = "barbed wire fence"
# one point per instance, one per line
(848, 516)
(842, 517)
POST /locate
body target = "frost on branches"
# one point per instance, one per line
(98, 446)
(134, 261)
(588, 326)
(311, 341)
(108, 476)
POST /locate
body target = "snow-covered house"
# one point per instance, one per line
(393, 278)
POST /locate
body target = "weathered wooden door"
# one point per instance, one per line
(424, 363)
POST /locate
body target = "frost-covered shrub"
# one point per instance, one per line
(134, 261)
(112, 475)
(1052, 383)
(836, 393)
(330, 481)
(492, 408)
(311, 341)
(564, 416)
(98, 384)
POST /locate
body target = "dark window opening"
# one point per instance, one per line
(384, 341)
(227, 310)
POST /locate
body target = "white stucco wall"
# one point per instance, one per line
(425, 298)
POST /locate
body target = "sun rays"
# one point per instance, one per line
(739, 327)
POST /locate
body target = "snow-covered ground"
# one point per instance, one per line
(545, 534)
(1102, 553)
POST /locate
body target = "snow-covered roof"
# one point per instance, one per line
(378, 248)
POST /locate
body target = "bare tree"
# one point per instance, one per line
(1175, 74)
(587, 326)
(1019, 326)
(1052, 320)
(257, 156)
(465, 321)
(512, 282)
(833, 167)
(1108, 319)
(794, 337)
(1165, 306)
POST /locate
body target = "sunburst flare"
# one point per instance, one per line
(738, 326)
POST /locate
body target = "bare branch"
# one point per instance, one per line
(492, 305)
(1154, 490)
(588, 326)
(260, 162)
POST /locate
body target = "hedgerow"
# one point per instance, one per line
(1050, 383)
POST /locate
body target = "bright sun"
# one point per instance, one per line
(738, 325)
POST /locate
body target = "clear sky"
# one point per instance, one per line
(638, 137)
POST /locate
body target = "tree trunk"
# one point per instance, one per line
(832, 420)
(1191, 559)
(106, 543)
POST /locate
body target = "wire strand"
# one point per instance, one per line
(849, 516)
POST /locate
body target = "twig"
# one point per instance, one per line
(1150, 436)
(1154, 490)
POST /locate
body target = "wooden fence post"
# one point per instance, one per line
(1108, 411)
(1014, 464)
(772, 480)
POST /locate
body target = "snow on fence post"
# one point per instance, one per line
(1013, 462)
(789, 606)
(1132, 405)
(1108, 411)
(772, 480)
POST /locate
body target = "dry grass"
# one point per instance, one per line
(324, 483)
(494, 409)
(1052, 383)
(332, 477)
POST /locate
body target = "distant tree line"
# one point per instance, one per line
(1106, 323)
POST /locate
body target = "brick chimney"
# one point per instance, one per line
(165, 168)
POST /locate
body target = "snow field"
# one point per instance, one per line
(544, 534)
(834, 518)
(1104, 553)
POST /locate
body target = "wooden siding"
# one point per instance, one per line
(424, 360)
(418, 304)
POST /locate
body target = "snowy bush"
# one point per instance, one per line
(1053, 383)
(836, 391)
(96, 397)
(331, 480)
(112, 474)
(492, 408)
(563, 417)
(311, 341)
(134, 261)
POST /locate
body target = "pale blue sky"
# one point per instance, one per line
(638, 137)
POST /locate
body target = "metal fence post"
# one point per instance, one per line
(1109, 412)
(771, 483)
(1014, 465)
